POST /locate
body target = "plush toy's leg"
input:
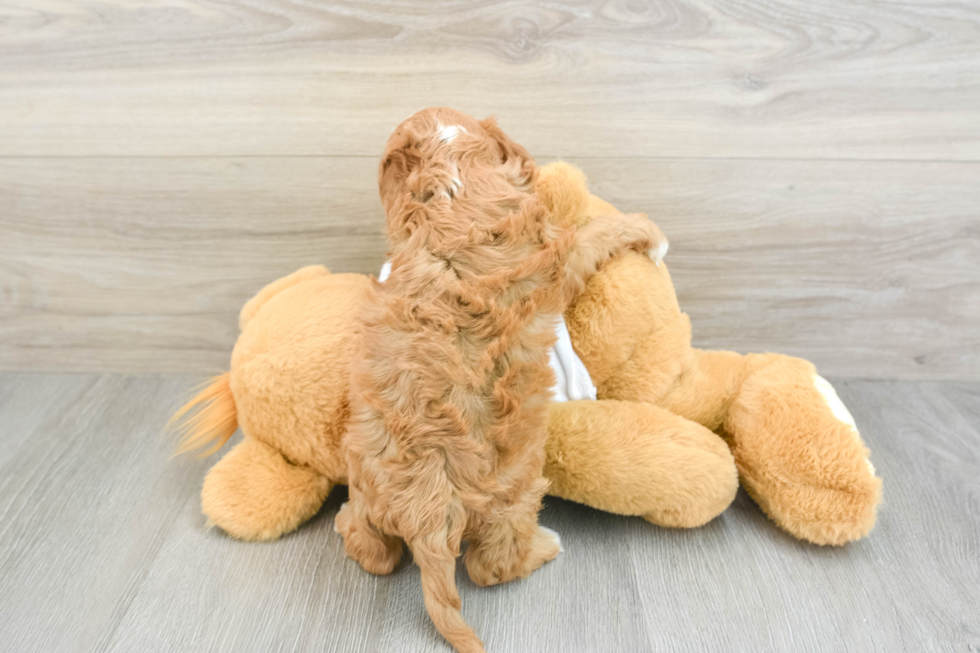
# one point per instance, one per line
(253, 493)
(799, 454)
(634, 458)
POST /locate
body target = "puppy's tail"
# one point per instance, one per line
(214, 419)
(438, 564)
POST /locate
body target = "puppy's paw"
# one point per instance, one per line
(343, 517)
(554, 536)
(546, 547)
(376, 552)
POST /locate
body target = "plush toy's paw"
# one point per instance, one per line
(641, 234)
(253, 493)
(839, 410)
(799, 453)
(634, 458)
(658, 253)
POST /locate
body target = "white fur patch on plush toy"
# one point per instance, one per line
(658, 253)
(838, 408)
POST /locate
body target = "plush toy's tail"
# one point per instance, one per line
(438, 566)
(214, 417)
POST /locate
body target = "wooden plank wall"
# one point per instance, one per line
(816, 165)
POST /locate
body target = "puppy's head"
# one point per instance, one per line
(438, 154)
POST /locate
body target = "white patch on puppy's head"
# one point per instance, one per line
(447, 134)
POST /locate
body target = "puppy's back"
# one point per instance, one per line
(456, 343)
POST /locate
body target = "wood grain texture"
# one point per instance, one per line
(103, 548)
(143, 264)
(870, 269)
(86, 501)
(669, 78)
(816, 165)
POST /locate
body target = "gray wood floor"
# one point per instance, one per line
(103, 548)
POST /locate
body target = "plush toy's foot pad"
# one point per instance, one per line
(634, 458)
(253, 493)
(800, 455)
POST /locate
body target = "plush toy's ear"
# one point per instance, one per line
(563, 189)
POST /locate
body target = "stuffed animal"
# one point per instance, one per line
(672, 430)
(794, 443)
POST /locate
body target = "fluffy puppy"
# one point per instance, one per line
(446, 441)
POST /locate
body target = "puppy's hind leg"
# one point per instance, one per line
(377, 552)
(512, 545)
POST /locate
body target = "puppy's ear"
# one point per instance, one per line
(518, 162)
(401, 158)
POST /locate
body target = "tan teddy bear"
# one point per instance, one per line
(670, 434)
